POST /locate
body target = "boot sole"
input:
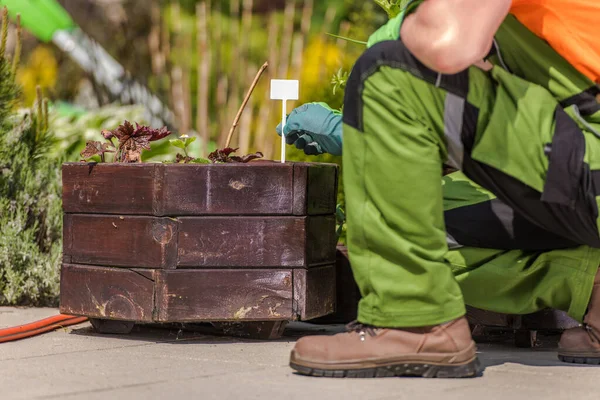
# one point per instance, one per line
(580, 359)
(468, 370)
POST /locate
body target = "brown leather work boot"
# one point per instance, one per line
(582, 345)
(442, 351)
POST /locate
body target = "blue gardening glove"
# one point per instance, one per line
(314, 128)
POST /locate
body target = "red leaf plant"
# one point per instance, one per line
(132, 141)
(224, 156)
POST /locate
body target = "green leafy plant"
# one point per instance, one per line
(73, 127)
(184, 143)
(339, 80)
(391, 7)
(30, 196)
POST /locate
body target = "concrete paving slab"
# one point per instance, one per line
(76, 363)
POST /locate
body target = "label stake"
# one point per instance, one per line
(284, 90)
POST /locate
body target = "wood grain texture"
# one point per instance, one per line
(300, 201)
(109, 188)
(321, 240)
(315, 188)
(314, 292)
(348, 295)
(321, 199)
(198, 242)
(106, 293)
(256, 241)
(256, 188)
(120, 241)
(224, 295)
(228, 189)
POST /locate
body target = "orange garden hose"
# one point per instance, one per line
(39, 327)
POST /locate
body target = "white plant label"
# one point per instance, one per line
(284, 90)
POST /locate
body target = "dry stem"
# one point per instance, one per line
(18, 46)
(241, 110)
(4, 34)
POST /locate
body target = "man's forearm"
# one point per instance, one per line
(448, 36)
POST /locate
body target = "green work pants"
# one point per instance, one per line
(521, 239)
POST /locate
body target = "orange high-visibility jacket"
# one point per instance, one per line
(571, 27)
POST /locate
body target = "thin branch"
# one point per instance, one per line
(46, 115)
(239, 114)
(4, 34)
(347, 39)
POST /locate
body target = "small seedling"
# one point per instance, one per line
(184, 143)
(339, 80)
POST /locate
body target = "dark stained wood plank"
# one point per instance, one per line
(223, 295)
(300, 202)
(256, 241)
(257, 188)
(106, 293)
(228, 189)
(242, 242)
(121, 241)
(67, 239)
(315, 188)
(321, 240)
(109, 188)
(314, 292)
(322, 189)
(348, 295)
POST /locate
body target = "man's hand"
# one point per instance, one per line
(314, 128)
(449, 36)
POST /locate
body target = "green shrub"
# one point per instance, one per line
(30, 202)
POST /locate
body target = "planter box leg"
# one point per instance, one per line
(108, 326)
(263, 330)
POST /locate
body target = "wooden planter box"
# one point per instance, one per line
(159, 243)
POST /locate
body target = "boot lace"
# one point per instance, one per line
(362, 330)
(592, 333)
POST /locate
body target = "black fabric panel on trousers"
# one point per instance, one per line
(494, 225)
(566, 162)
(395, 55)
(469, 126)
(577, 224)
(586, 101)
